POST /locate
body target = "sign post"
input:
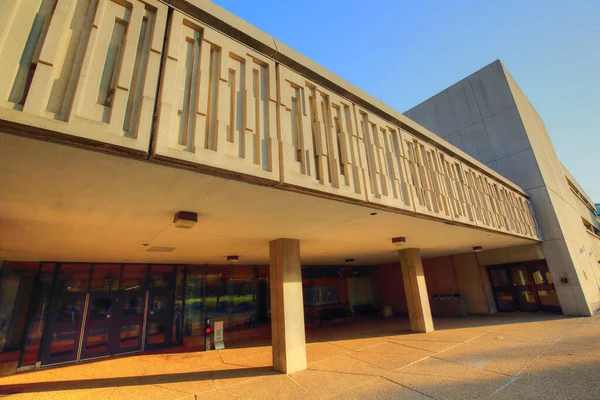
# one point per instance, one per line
(207, 323)
(219, 343)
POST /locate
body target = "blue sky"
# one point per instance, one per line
(403, 52)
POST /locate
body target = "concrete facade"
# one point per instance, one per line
(116, 116)
(488, 116)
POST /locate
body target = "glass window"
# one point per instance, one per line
(97, 342)
(69, 311)
(194, 301)
(244, 297)
(158, 305)
(177, 334)
(101, 308)
(132, 306)
(105, 277)
(134, 277)
(156, 333)
(161, 276)
(41, 301)
(16, 289)
(520, 276)
(218, 301)
(129, 337)
(499, 278)
(74, 277)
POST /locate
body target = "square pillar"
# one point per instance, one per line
(287, 306)
(417, 299)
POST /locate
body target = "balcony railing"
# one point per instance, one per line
(142, 78)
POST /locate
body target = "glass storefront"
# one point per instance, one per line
(52, 313)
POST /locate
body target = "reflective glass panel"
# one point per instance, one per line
(158, 305)
(129, 337)
(101, 308)
(74, 277)
(134, 277)
(105, 277)
(69, 311)
(156, 333)
(132, 306)
(194, 301)
(63, 343)
(161, 276)
(97, 341)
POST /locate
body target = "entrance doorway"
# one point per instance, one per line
(102, 309)
(524, 286)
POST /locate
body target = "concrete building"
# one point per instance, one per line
(171, 174)
(488, 116)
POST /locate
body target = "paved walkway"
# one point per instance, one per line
(505, 356)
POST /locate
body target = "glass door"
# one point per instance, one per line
(160, 306)
(524, 289)
(100, 321)
(503, 289)
(98, 338)
(131, 304)
(544, 286)
(66, 319)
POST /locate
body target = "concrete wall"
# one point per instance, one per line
(175, 88)
(460, 273)
(488, 116)
(391, 288)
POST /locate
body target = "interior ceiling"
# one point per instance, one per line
(59, 203)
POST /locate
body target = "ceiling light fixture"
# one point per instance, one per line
(349, 260)
(185, 219)
(477, 249)
(399, 241)
(373, 213)
(233, 259)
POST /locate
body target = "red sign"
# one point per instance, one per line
(219, 325)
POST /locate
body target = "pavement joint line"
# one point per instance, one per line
(471, 366)
(341, 372)
(412, 347)
(299, 384)
(113, 392)
(367, 362)
(517, 375)
(506, 384)
(441, 351)
(409, 388)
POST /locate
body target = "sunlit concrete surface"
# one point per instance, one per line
(505, 356)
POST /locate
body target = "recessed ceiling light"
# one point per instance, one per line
(399, 241)
(349, 260)
(233, 259)
(161, 249)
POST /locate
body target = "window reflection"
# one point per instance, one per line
(194, 301)
(97, 341)
(74, 277)
(132, 306)
(101, 308)
(134, 277)
(69, 311)
(105, 277)
(129, 337)
(158, 305)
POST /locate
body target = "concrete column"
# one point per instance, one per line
(287, 307)
(417, 298)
